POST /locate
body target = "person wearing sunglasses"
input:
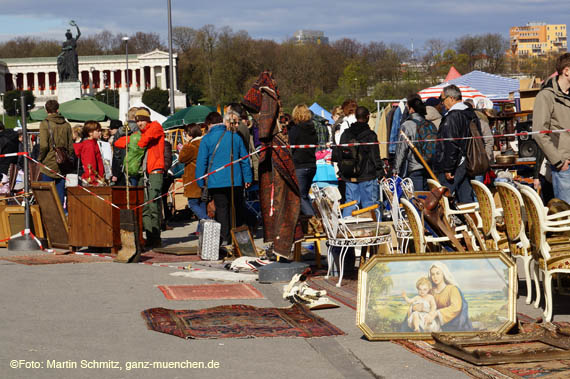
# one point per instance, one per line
(450, 158)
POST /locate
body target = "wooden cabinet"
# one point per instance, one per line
(94, 222)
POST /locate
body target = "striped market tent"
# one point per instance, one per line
(494, 87)
(466, 92)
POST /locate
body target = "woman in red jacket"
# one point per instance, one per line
(90, 155)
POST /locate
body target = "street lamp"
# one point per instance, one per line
(126, 39)
(171, 71)
(106, 89)
(16, 108)
(92, 70)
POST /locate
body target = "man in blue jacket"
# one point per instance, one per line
(214, 152)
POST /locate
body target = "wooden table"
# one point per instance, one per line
(93, 222)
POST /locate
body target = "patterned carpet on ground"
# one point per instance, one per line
(156, 257)
(237, 291)
(239, 321)
(347, 294)
(554, 369)
(49, 259)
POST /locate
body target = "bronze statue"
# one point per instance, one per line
(67, 61)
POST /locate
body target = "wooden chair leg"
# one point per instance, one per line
(297, 252)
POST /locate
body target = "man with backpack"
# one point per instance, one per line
(360, 167)
(451, 162)
(416, 128)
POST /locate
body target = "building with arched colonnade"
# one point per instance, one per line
(96, 73)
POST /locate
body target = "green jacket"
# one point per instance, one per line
(552, 112)
(62, 137)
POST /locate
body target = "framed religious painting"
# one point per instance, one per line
(411, 296)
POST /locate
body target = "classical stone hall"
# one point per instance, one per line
(96, 73)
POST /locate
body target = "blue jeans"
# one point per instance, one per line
(419, 179)
(305, 177)
(561, 184)
(459, 186)
(365, 193)
(59, 185)
(199, 209)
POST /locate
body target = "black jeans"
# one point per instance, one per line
(222, 201)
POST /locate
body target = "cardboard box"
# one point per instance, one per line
(527, 99)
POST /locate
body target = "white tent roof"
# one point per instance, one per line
(154, 115)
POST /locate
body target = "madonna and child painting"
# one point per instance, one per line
(411, 297)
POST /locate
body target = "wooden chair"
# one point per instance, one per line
(419, 236)
(519, 245)
(399, 219)
(463, 209)
(550, 258)
(353, 231)
(489, 214)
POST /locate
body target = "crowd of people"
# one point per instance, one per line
(137, 152)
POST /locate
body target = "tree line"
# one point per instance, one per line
(218, 65)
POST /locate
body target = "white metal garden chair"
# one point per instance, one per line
(354, 231)
(399, 218)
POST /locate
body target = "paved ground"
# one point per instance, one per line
(89, 314)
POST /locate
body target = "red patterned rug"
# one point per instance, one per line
(50, 259)
(555, 369)
(237, 291)
(156, 257)
(346, 294)
(239, 321)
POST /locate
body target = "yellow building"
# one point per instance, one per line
(538, 39)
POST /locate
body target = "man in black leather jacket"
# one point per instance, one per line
(450, 158)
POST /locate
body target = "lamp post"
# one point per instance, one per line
(170, 60)
(126, 39)
(106, 89)
(92, 70)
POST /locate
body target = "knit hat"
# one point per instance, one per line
(115, 124)
(142, 115)
(432, 101)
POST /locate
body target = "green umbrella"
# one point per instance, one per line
(84, 109)
(195, 113)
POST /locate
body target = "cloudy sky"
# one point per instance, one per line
(371, 20)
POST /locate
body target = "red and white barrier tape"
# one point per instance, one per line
(329, 145)
(13, 155)
(83, 188)
(28, 232)
(203, 176)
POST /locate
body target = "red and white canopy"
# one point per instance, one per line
(466, 92)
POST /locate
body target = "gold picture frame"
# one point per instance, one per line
(411, 296)
(243, 242)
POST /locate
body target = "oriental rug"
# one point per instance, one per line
(49, 259)
(156, 257)
(237, 291)
(239, 321)
(347, 294)
(554, 369)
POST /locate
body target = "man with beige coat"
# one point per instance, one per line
(552, 113)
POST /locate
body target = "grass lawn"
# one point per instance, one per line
(11, 121)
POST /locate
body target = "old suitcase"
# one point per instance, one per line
(209, 243)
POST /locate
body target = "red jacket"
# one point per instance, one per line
(90, 155)
(153, 140)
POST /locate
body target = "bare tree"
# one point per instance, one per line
(494, 46)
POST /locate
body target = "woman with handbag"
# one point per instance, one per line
(188, 156)
(56, 148)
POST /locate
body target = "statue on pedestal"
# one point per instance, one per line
(67, 60)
